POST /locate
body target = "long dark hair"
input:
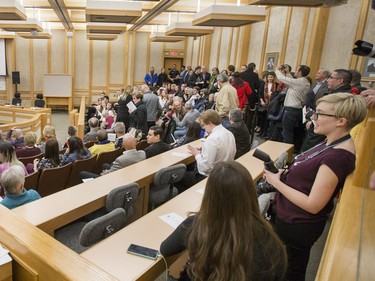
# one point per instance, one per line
(52, 151)
(194, 131)
(9, 153)
(229, 232)
(75, 144)
(237, 80)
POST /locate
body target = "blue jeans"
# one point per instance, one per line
(179, 133)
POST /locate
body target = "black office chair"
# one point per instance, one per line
(17, 99)
(39, 102)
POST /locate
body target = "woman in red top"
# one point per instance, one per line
(243, 89)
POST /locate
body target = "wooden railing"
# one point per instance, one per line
(78, 119)
(26, 119)
(350, 247)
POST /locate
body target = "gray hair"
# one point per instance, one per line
(11, 178)
(222, 77)
(145, 88)
(326, 72)
(119, 127)
(93, 122)
(236, 115)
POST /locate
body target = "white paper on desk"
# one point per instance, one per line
(131, 106)
(88, 179)
(304, 114)
(172, 219)
(4, 257)
(180, 154)
(201, 190)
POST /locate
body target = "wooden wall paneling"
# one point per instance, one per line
(191, 49)
(82, 62)
(247, 32)
(235, 46)
(213, 48)
(126, 57)
(276, 30)
(303, 36)
(140, 53)
(148, 53)
(23, 63)
(206, 51)
(295, 35)
(49, 56)
(132, 57)
(185, 50)
(58, 51)
(229, 51)
(286, 35)
(317, 39)
(99, 74)
(265, 37)
(108, 73)
(40, 56)
(72, 65)
(67, 43)
(117, 65)
(31, 73)
(200, 41)
(338, 44)
(91, 43)
(308, 35)
(362, 19)
(157, 56)
(220, 29)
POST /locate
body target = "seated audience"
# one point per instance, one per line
(103, 145)
(8, 158)
(16, 138)
(240, 131)
(48, 133)
(94, 128)
(16, 195)
(220, 144)
(154, 138)
(129, 157)
(240, 245)
(51, 159)
(306, 195)
(75, 151)
(120, 130)
(190, 117)
(30, 149)
(107, 120)
(72, 132)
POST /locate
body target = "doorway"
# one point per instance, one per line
(169, 62)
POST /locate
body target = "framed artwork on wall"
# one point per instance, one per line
(368, 69)
(271, 61)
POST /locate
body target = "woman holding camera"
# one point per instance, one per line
(228, 239)
(305, 196)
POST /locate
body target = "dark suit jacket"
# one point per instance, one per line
(242, 137)
(311, 97)
(156, 148)
(252, 78)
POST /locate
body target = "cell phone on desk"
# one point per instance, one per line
(143, 251)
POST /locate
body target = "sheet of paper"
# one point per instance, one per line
(172, 219)
(131, 106)
(4, 257)
(304, 115)
(111, 137)
(180, 154)
(88, 179)
(201, 190)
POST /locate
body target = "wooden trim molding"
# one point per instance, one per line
(126, 51)
(317, 37)
(31, 54)
(303, 37)
(218, 46)
(207, 50)
(244, 45)
(286, 35)
(230, 46)
(90, 68)
(108, 65)
(265, 38)
(362, 20)
(132, 56)
(236, 46)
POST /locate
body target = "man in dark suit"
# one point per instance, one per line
(154, 138)
(206, 76)
(252, 78)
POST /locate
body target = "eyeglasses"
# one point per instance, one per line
(336, 78)
(317, 114)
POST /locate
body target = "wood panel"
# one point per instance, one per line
(82, 61)
(99, 63)
(58, 51)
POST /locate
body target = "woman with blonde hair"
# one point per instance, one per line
(123, 111)
(306, 192)
(228, 239)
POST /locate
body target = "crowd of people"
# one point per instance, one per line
(226, 109)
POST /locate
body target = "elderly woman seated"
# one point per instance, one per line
(16, 195)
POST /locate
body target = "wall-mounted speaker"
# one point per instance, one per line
(16, 77)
